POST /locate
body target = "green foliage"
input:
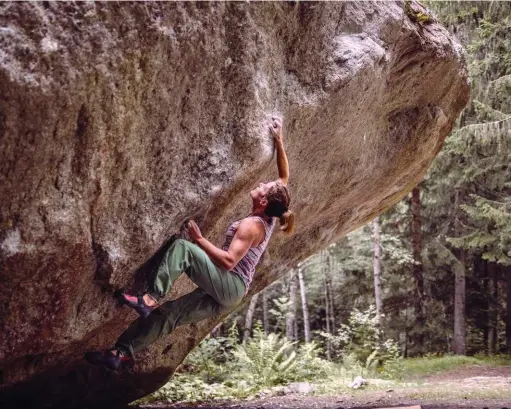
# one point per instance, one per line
(188, 387)
(279, 312)
(310, 366)
(360, 343)
(268, 360)
(211, 355)
(466, 191)
(427, 365)
(220, 368)
(418, 16)
(491, 235)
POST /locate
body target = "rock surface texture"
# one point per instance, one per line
(118, 121)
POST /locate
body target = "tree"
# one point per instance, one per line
(266, 316)
(508, 310)
(493, 311)
(291, 324)
(305, 308)
(249, 317)
(460, 330)
(377, 267)
(467, 190)
(326, 286)
(418, 273)
(331, 269)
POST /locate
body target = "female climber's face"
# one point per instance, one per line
(259, 193)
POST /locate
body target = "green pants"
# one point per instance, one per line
(219, 290)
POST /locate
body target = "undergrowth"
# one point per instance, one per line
(427, 365)
(223, 369)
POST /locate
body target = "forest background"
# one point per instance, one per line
(430, 277)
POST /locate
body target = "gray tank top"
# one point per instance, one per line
(245, 268)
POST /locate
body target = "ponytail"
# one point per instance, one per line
(287, 222)
(278, 201)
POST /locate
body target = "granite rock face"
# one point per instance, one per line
(118, 121)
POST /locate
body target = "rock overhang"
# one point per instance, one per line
(118, 123)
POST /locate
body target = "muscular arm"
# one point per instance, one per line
(282, 162)
(248, 232)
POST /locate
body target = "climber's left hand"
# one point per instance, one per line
(194, 231)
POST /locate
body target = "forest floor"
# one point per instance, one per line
(474, 387)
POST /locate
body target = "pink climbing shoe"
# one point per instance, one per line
(137, 303)
(111, 358)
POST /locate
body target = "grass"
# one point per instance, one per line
(412, 382)
(448, 393)
(414, 372)
(419, 367)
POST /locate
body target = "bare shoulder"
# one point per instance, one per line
(248, 225)
(251, 227)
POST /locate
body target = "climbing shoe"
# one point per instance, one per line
(137, 303)
(111, 358)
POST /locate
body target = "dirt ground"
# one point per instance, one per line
(474, 387)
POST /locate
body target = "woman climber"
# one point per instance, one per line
(223, 275)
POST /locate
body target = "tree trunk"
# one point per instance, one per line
(266, 317)
(305, 308)
(460, 331)
(330, 291)
(291, 328)
(485, 304)
(405, 349)
(377, 267)
(215, 332)
(460, 326)
(324, 267)
(493, 310)
(508, 310)
(418, 271)
(249, 318)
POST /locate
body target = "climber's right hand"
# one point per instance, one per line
(276, 129)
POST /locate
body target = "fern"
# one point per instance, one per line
(269, 358)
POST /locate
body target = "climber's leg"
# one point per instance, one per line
(192, 307)
(182, 256)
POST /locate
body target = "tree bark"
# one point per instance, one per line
(249, 317)
(266, 316)
(417, 270)
(291, 327)
(305, 308)
(215, 332)
(508, 310)
(377, 267)
(329, 290)
(460, 325)
(493, 310)
(485, 304)
(325, 268)
(405, 349)
(460, 330)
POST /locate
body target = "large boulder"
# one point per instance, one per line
(120, 120)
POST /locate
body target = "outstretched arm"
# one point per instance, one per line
(282, 163)
(247, 233)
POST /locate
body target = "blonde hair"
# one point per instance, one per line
(278, 198)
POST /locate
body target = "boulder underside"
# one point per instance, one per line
(120, 121)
